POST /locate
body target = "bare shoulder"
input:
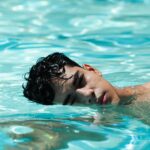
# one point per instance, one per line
(143, 92)
(147, 85)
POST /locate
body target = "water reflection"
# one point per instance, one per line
(44, 134)
(122, 124)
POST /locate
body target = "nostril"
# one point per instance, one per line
(90, 101)
(92, 94)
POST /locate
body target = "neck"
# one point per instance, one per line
(128, 95)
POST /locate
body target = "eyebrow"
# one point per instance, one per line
(69, 96)
(75, 77)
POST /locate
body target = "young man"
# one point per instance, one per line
(57, 79)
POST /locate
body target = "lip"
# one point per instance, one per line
(102, 99)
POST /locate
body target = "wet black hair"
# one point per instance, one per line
(39, 86)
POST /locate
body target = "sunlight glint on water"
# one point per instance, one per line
(111, 35)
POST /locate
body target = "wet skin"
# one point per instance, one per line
(85, 85)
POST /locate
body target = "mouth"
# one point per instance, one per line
(102, 99)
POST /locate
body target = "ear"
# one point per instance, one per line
(90, 68)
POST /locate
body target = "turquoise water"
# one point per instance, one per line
(111, 35)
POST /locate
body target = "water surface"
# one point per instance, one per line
(110, 35)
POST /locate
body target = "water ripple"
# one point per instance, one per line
(108, 34)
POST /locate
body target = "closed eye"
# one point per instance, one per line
(70, 99)
(73, 100)
(80, 81)
(67, 99)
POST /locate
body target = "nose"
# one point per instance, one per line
(86, 94)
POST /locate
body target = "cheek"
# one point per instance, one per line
(106, 85)
(103, 85)
(91, 78)
(96, 82)
(109, 89)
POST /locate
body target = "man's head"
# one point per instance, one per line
(39, 87)
(58, 79)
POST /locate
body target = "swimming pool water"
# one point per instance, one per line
(111, 35)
